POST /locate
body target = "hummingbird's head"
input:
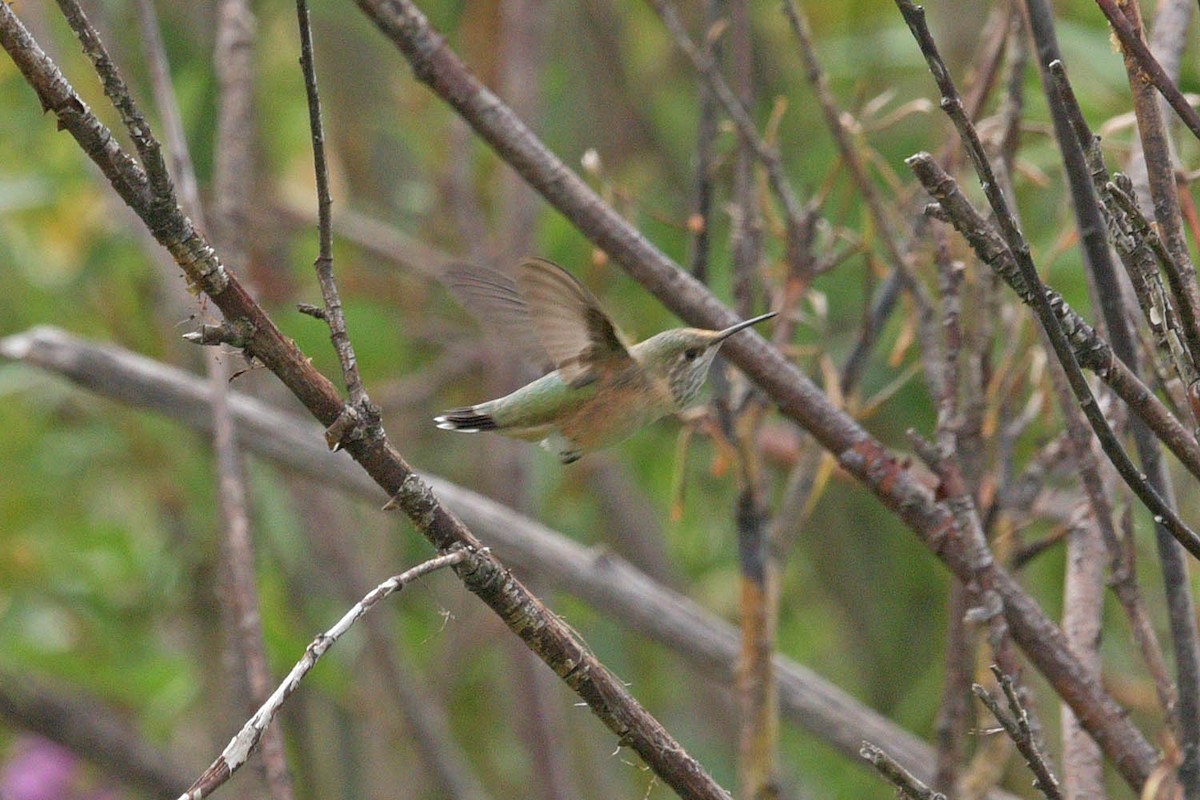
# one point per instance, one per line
(685, 355)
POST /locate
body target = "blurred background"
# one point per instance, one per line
(109, 554)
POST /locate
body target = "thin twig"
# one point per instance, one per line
(952, 485)
(1137, 244)
(1122, 575)
(760, 567)
(410, 687)
(382, 240)
(898, 775)
(237, 546)
(1141, 623)
(835, 121)
(740, 411)
(700, 225)
(1124, 218)
(144, 141)
(952, 104)
(795, 213)
(512, 232)
(1098, 258)
(324, 263)
(1108, 294)
(953, 710)
(233, 188)
(1169, 37)
(1182, 279)
(238, 750)
(1015, 722)
(1132, 42)
(1152, 133)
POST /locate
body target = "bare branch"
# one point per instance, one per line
(359, 402)
(898, 260)
(1137, 244)
(1015, 722)
(1132, 42)
(898, 775)
(1087, 347)
(144, 141)
(1083, 604)
(795, 214)
(238, 750)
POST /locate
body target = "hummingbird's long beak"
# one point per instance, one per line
(732, 329)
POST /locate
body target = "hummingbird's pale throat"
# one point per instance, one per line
(601, 389)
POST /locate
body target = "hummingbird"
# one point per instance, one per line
(601, 389)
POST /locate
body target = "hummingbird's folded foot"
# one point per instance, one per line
(467, 420)
(567, 451)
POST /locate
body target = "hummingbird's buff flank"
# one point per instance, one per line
(601, 390)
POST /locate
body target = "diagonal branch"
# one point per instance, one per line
(1015, 721)
(796, 396)
(1132, 43)
(234, 756)
(853, 160)
(906, 783)
(525, 614)
(1091, 351)
(1138, 245)
(143, 138)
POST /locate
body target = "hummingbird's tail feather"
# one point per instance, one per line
(467, 420)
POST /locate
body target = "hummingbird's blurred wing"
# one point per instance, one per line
(572, 327)
(493, 298)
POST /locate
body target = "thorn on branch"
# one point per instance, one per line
(236, 333)
(347, 427)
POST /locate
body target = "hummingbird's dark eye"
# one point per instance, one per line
(692, 353)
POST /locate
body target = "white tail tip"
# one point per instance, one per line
(446, 425)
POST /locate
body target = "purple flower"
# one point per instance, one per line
(38, 769)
